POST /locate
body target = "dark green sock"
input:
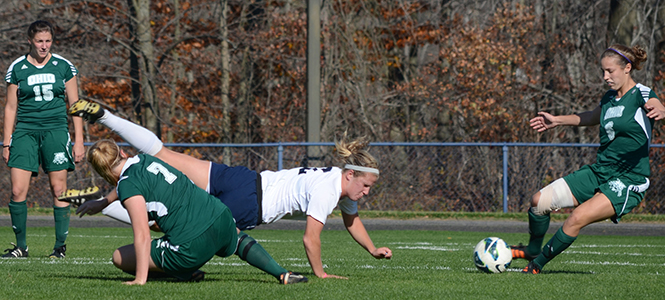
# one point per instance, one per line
(559, 242)
(19, 213)
(538, 226)
(61, 216)
(254, 254)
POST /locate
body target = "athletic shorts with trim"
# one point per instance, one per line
(180, 261)
(236, 188)
(49, 148)
(588, 180)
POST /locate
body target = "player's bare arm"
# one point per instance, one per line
(137, 212)
(357, 230)
(312, 242)
(655, 109)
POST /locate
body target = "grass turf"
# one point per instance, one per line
(426, 265)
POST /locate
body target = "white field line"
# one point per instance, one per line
(469, 247)
(301, 262)
(613, 263)
(88, 236)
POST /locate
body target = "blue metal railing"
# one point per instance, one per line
(504, 146)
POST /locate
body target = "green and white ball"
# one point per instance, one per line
(492, 255)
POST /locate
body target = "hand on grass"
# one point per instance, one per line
(382, 252)
(335, 276)
(134, 282)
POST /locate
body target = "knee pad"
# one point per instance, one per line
(554, 196)
(245, 242)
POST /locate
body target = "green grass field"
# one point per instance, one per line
(426, 265)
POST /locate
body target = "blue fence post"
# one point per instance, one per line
(280, 155)
(505, 178)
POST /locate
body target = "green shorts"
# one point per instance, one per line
(180, 261)
(50, 148)
(625, 191)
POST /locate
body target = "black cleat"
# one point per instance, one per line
(531, 268)
(59, 252)
(197, 276)
(519, 251)
(291, 278)
(16, 252)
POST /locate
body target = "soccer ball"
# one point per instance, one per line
(492, 255)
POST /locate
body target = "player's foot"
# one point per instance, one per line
(78, 197)
(531, 268)
(16, 252)
(519, 251)
(59, 252)
(197, 276)
(291, 278)
(87, 110)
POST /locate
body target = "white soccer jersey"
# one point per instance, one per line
(302, 192)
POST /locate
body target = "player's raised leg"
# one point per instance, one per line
(144, 141)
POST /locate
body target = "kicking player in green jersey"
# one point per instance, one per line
(39, 85)
(617, 181)
(196, 225)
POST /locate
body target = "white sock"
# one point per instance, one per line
(116, 211)
(136, 135)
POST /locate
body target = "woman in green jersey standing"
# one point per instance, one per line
(617, 181)
(39, 85)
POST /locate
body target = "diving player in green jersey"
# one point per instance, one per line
(39, 86)
(617, 182)
(196, 225)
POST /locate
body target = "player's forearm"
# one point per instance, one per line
(112, 196)
(313, 251)
(142, 248)
(357, 230)
(78, 130)
(9, 120)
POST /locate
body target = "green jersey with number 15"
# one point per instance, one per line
(41, 92)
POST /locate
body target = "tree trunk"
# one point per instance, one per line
(144, 35)
(134, 73)
(178, 70)
(621, 23)
(224, 86)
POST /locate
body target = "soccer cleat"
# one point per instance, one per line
(59, 252)
(78, 197)
(87, 110)
(197, 276)
(291, 278)
(16, 252)
(531, 268)
(519, 251)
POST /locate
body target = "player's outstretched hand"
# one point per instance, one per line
(382, 252)
(92, 207)
(654, 112)
(542, 122)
